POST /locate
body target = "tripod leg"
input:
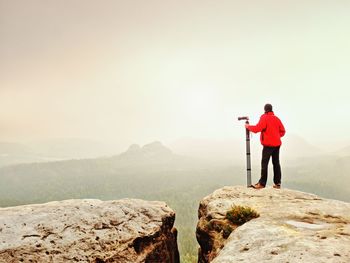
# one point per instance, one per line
(249, 169)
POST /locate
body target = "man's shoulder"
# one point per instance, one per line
(278, 119)
(270, 117)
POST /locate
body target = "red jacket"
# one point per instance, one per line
(271, 129)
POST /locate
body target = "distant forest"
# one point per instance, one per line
(157, 174)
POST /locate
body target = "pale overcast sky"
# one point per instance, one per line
(138, 71)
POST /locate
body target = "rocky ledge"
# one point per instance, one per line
(126, 230)
(292, 227)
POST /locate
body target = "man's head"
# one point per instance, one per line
(268, 108)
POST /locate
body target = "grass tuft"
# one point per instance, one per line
(239, 215)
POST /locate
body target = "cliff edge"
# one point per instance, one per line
(292, 227)
(126, 230)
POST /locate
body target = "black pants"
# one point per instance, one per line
(266, 154)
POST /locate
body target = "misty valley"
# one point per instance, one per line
(154, 172)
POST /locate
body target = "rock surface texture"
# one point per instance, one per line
(293, 227)
(127, 230)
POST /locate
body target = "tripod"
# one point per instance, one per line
(249, 168)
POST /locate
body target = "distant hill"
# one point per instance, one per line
(149, 153)
(295, 146)
(139, 168)
(74, 148)
(219, 151)
(7, 148)
(53, 150)
(343, 152)
(233, 151)
(15, 153)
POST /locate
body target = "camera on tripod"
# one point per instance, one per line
(243, 118)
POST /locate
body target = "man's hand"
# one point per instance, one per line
(246, 126)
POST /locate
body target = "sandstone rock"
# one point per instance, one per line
(293, 227)
(120, 231)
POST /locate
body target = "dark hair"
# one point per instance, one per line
(268, 107)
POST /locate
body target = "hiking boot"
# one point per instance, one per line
(259, 186)
(277, 186)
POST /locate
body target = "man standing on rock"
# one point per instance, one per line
(272, 130)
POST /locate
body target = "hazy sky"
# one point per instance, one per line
(138, 71)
